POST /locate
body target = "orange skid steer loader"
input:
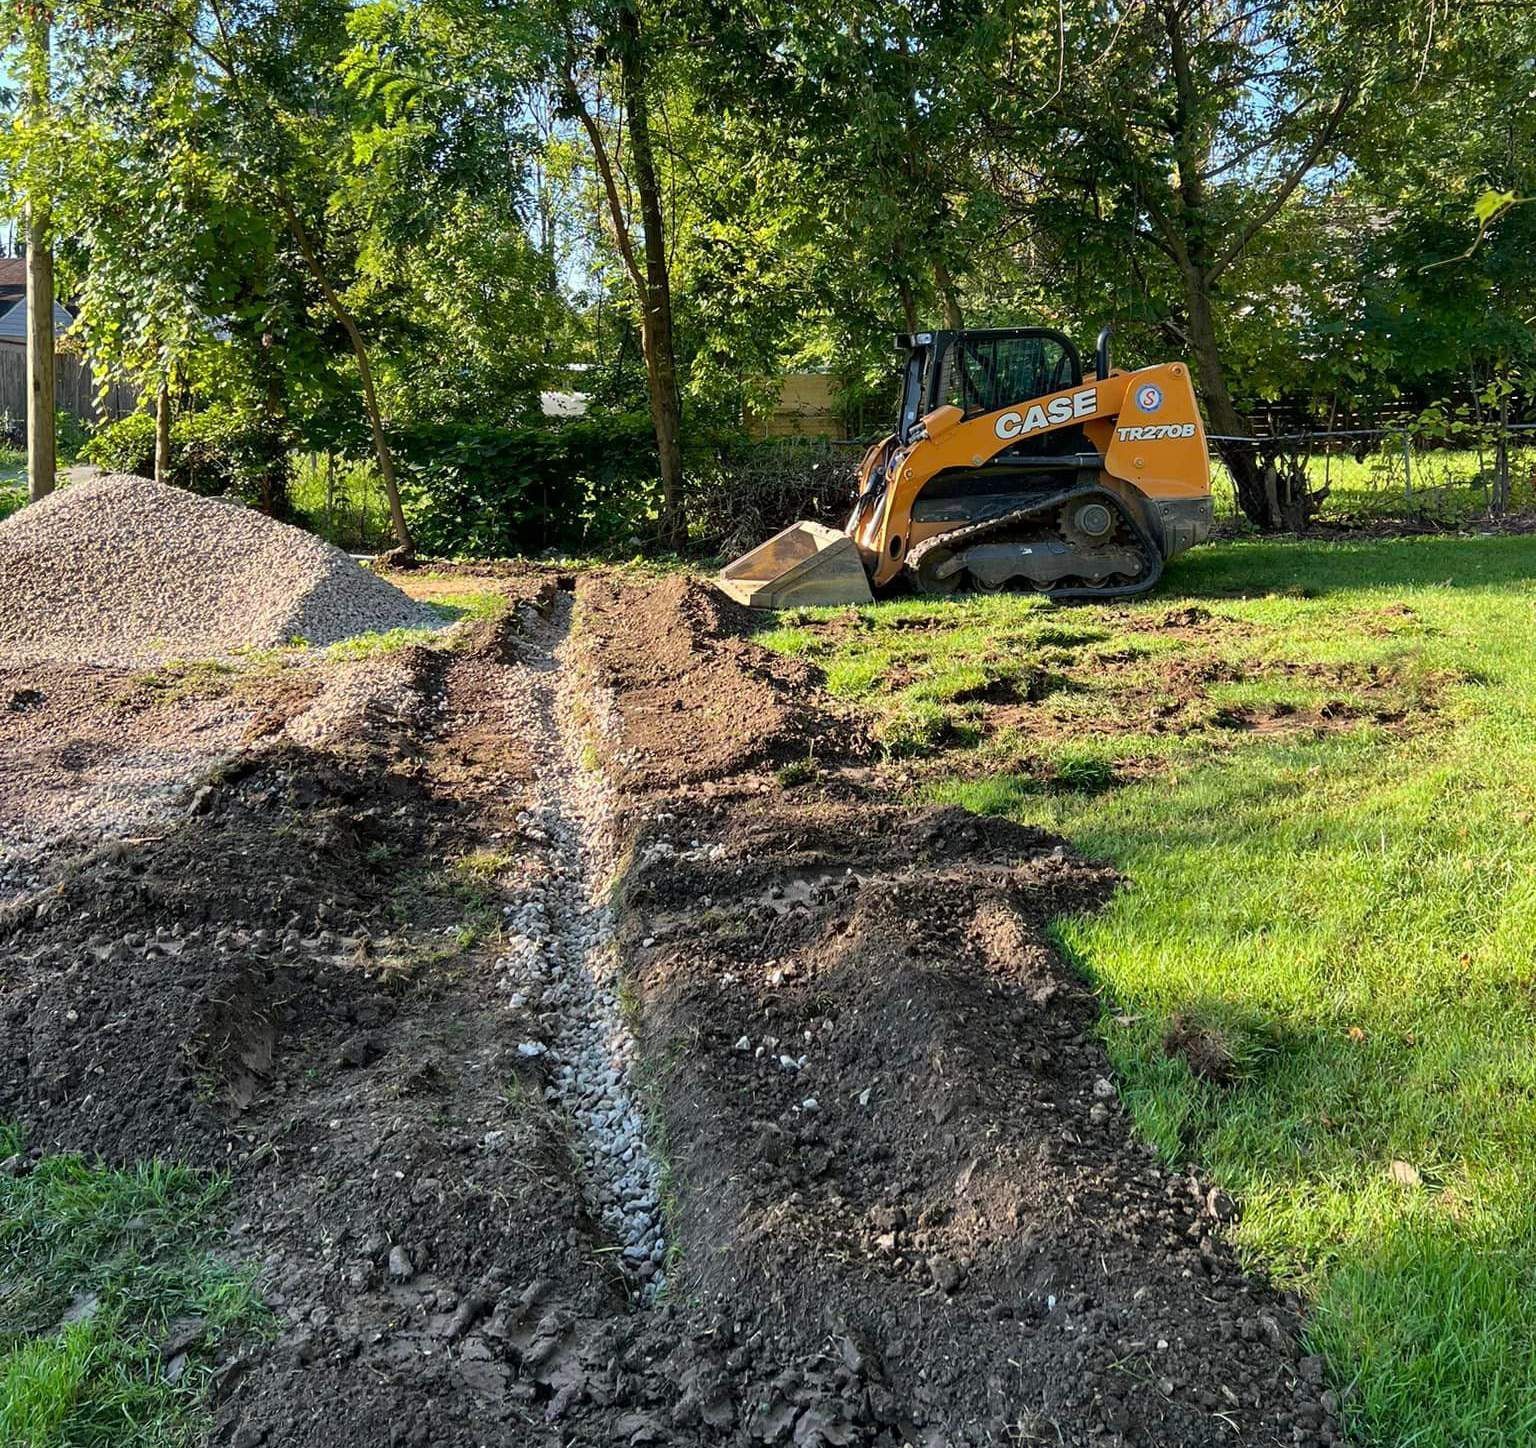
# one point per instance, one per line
(1008, 466)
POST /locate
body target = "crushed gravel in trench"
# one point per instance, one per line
(561, 964)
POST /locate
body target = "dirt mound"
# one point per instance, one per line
(700, 701)
(122, 570)
(910, 1207)
(157, 977)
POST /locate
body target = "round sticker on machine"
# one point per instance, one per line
(1149, 398)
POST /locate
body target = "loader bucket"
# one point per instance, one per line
(806, 564)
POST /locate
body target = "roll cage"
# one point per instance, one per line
(981, 370)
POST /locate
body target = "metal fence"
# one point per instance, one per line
(1397, 470)
(1385, 472)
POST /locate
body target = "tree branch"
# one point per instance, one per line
(1266, 213)
(620, 221)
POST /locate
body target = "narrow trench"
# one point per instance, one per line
(560, 963)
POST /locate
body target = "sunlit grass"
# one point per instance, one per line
(1448, 485)
(97, 1265)
(1354, 909)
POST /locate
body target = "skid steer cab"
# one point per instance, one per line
(1009, 467)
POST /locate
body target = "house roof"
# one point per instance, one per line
(13, 322)
(13, 279)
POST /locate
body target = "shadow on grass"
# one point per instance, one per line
(1312, 569)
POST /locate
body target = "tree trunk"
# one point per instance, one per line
(656, 303)
(954, 318)
(42, 449)
(274, 475)
(1498, 503)
(163, 432)
(1241, 458)
(1189, 244)
(383, 454)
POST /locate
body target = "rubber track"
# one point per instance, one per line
(958, 538)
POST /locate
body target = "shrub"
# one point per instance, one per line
(217, 452)
(124, 446)
(747, 492)
(11, 500)
(69, 436)
(222, 451)
(493, 491)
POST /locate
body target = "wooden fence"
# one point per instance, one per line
(75, 389)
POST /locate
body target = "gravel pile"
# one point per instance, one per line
(120, 570)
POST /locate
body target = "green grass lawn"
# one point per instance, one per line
(1444, 485)
(1316, 767)
(101, 1269)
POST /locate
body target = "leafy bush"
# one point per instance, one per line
(215, 453)
(592, 483)
(124, 446)
(11, 500)
(492, 491)
(221, 451)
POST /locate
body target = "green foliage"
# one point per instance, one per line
(99, 1263)
(218, 452)
(69, 435)
(341, 499)
(490, 492)
(126, 445)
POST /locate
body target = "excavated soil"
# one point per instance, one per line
(700, 702)
(904, 1203)
(908, 1201)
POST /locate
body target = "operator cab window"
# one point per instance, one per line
(984, 374)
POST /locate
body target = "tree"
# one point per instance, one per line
(252, 90)
(586, 47)
(36, 52)
(462, 302)
(1183, 131)
(872, 113)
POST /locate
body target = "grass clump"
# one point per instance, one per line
(101, 1266)
(1322, 967)
(474, 881)
(451, 608)
(1083, 773)
(920, 728)
(797, 771)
